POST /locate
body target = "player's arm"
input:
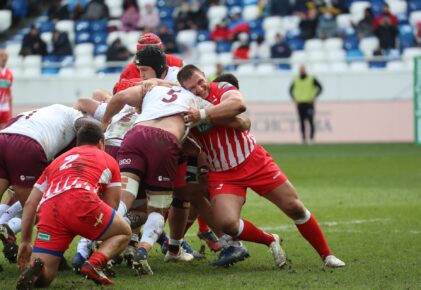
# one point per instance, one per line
(240, 122)
(28, 219)
(111, 196)
(164, 83)
(87, 105)
(132, 96)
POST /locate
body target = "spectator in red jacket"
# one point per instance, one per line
(393, 20)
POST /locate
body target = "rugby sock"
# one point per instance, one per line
(122, 210)
(3, 208)
(83, 247)
(153, 228)
(311, 231)
(98, 260)
(249, 232)
(15, 224)
(203, 227)
(11, 212)
(174, 246)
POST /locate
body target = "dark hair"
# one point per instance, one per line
(229, 78)
(89, 134)
(186, 73)
(154, 57)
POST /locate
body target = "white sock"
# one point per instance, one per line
(134, 238)
(153, 228)
(84, 247)
(11, 212)
(122, 208)
(3, 208)
(305, 219)
(15, 224)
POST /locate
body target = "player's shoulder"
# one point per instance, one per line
(173, 60)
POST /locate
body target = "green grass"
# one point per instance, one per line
(367, 199)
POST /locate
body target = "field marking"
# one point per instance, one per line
(327, 224)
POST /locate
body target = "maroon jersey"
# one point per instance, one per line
(226, 148)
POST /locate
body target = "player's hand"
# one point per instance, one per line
(24, 255)
(192, 116)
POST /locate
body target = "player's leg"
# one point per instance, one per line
(310, 116)
(4, 185)
(301, 116)
(286, 198)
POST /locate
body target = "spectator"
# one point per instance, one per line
(279, 7)
(308, 24)
(197, 15)
(219, 70)
(236, 24)
(77, 12)
(58, 11)
(326, 25)
(130, 18)
(127, 3)
(181, 16)
(61, 44)
(304, 90)
(117, 51)
(281, 48)
(149, 17)
(259, 49)
(220, 32)
(96, 10)
(300, 8)
(168, 39)
(364, 27)
(393, 20)
(387, 33)
(6, 81)
(242, 47)
(32, 44)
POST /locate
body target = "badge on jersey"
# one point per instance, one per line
(204, 127)
(224, 85)
(44, 236)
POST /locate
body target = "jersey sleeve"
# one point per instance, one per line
(41, 183)
(223, 87)
(130, 72)
(100, 111)
(115, 172)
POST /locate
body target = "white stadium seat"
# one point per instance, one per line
(313, 44)
(398, 6)
(225, 58)
(337, 55)
(247, 68)
(415, 17)
(290, 23)
(333, 43)
(358, 66)
(208, 58)
(298, 57)
(272, 23)
(396, 65)
(357, 10)
(32, 61)
(84, 49)
(344, 21)
(218, 12)
(84, 61)
(316, 56)
(265, 68)
(319, 68)
(340, 66)
(13, 48)
(250, 13)
(206, 47)
(368, 45)
(5, 20)
(186, 38)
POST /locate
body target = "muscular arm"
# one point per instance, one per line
(112, 196)
(87, 105)
(232, 103)
(28, 216)
(240, 122)
(132, 96)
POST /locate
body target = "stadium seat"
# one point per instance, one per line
(85, 72)
(47, 37)
(82, 26)
(32, 72)
(100, 49)
(410, 53)
(398, 7)
(315, 56)
(32, 61)
(290, 23)
(338, 66)
(351, 42)
(5, 19)
(50, 71)
(319, 68)
(166, 12)
(358, 66)
(168, 23)
(208, 58)
(333, 43)
(15, 61)
(223, 46)
(142, 3)
(414, 18)
(256, 23)
(343, 21)
(354, 54)
(377, 64)
(270, 36)
(250, 12)
(231, 3)
(225, 58)
(99, 26)
(313, 44)
(82, 37)
(67, 72)
(295, 43)
(130, 41)
(203, 35)
(396, 65)
(265, 68)
(206, 47)
(99, 37)
(406, 36)
(298, 57)
(113, 25)
(336, 55)
(115, 7)
(249, 2)
(66, 26)
(414, 5)
(357, 10)
(84, 61)
(68, 61)
(247, 68)
(186, 38)
(257, 32)
(114, 35)
(46, 26)
(284, 66)
(84, 49)
(368, 45)
(272, 23)
(100, 61)
(217, 13)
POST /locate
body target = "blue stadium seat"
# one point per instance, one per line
(295, 43)
(414, 5)
(257, 32)
(293, 33)
(99, 37)
(99, 26)
(223, 46)
(231, 3)
(46, 26)
(166, 12)
(284, 66)
(256, 23)
(100, 49)
(68, 61)
(402, 18)
(250, 2)
(406, 36)
(203, 35)
(82, 26)
(351, 42)
(377, 7)
(377, 64)
(49, 71)
(354, 54)
(82, 37)
(49, 59)
(168, 23)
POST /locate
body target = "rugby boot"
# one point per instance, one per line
(97, 275)
(182, 256)
(10, 248)
(188, 249)
(231, 255)
(77, 262)
(28, 276)
(211, 240)
(277, 252)
(333, 262)
(140, 262)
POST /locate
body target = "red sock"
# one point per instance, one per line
(98, 260)
(188, 226)
(203, 227)
(253, 234)
(312, 232)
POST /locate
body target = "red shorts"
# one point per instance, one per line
(22, 159)
(152, 152)
(4, 117)
(259, 172)
(74, 212)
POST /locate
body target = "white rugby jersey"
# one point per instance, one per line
(163, 101)
(120, 124)
(172, 74)
(52, 127)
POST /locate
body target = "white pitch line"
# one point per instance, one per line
(327, 224)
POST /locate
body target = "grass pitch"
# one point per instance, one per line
(367, 199)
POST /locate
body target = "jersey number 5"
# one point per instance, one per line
(68, 160)
(173, 94)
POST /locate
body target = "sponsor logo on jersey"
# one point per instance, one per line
(219, 187)
(224, 85)
(25, 177)
(204, 127)
(44, 236)
(126, 161)
(163, 178)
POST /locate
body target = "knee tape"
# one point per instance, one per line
(130, 185)
(159, 201)
(179, 203)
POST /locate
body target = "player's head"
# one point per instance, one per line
(148, 39)
(193, 79)
(123, 84)
(229, 78)
(152, 62)
(90, 134)
(3, 57)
